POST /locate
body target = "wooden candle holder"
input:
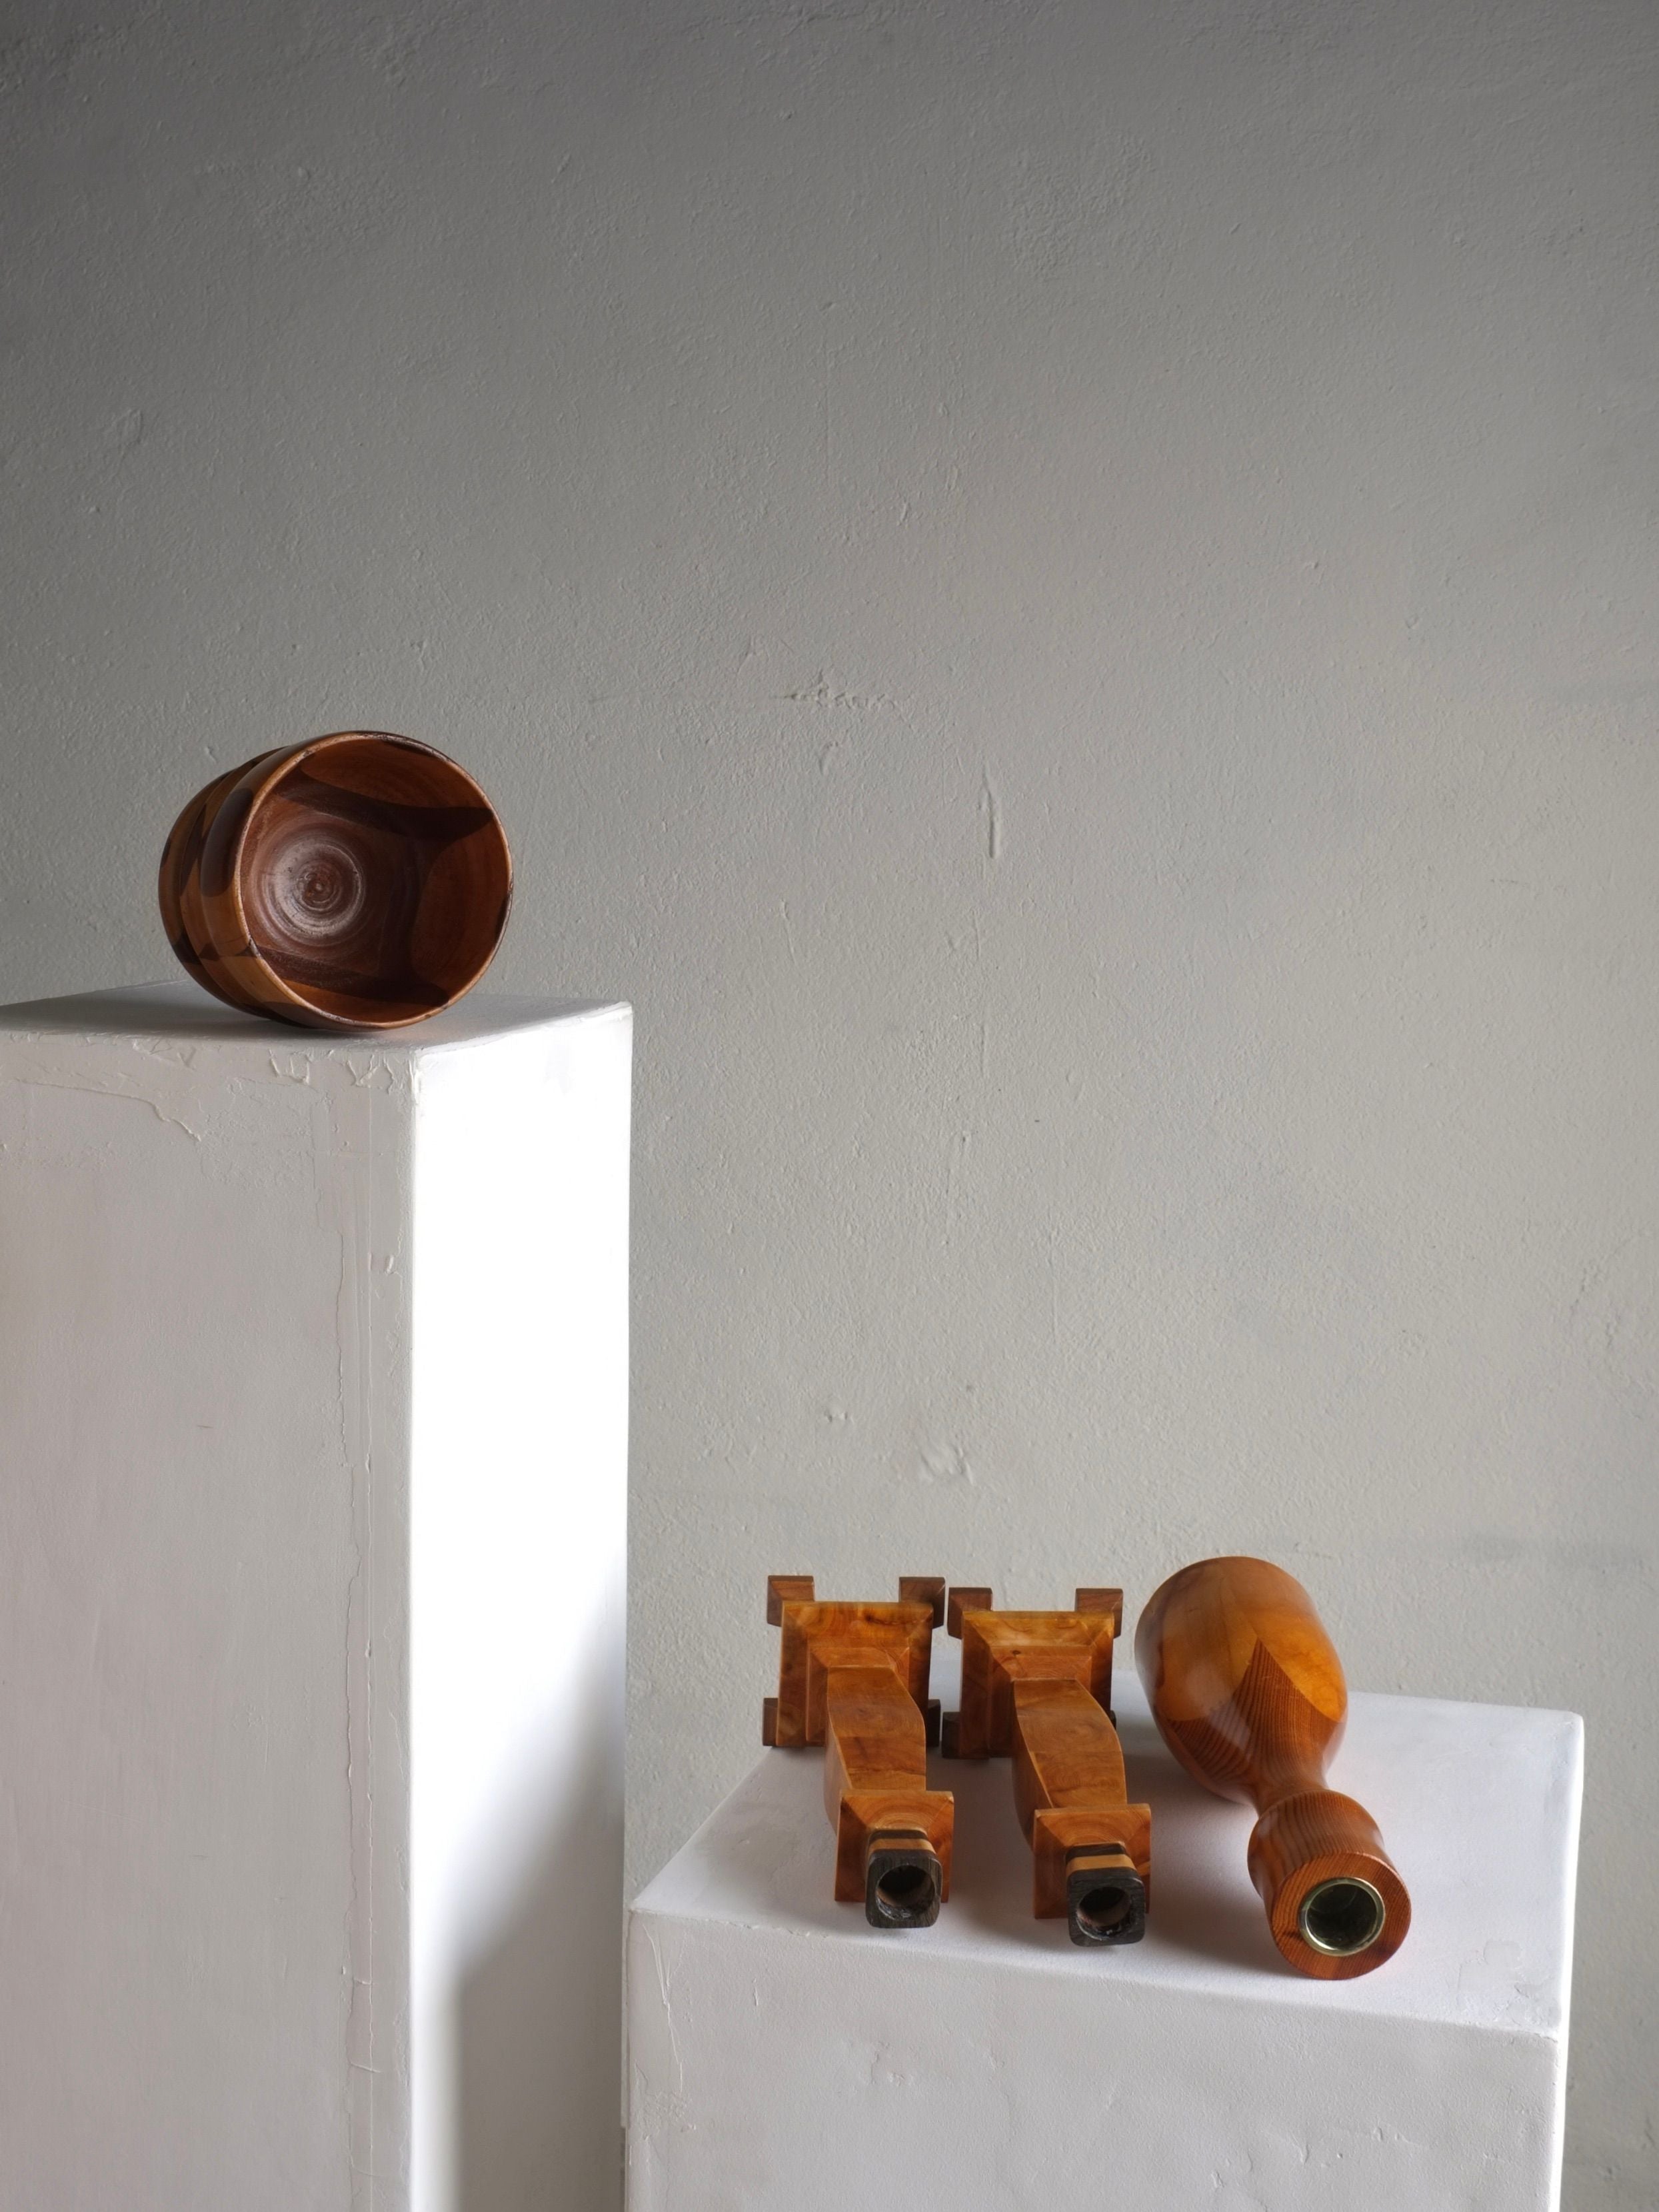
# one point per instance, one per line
(853, 1676)
(1037, 1686)
(1248, 1693)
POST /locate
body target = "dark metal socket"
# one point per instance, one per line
(1105, 1905)
(901, 1888)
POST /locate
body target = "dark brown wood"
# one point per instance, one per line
(1247, 1692)
(964, 1597)
(780, 1590)
(1037, 1686)
(357, 881)
(853, 1676)
(925, 1590)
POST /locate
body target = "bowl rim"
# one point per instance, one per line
(273, 767)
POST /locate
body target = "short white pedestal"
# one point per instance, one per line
(313, 1480)
(784, 2056)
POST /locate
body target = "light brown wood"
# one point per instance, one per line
(1248, 1693)
(853, 1676)
(1037, 1687)
(1102, 1601)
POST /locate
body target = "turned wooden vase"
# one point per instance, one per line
(358, 881)
(1248, 1693)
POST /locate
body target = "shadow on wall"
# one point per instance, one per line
(534, 2067)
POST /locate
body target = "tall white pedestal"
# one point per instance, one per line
(312, 1479)
(783, 2053)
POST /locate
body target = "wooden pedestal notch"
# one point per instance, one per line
(1038, 1686)
(853, 1676)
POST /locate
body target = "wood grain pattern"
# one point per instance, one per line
(853, 1676)
(1248, 1693)
(1037, 1687)
(357, 881)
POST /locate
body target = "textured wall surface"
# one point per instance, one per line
(1065, 595)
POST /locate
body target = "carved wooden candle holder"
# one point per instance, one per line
(1248, 1693)
(853, 1677)
(1038, 1686)
(358, 881)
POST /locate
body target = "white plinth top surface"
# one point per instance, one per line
(1478, 1804)
(183, 1014)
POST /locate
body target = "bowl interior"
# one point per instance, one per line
(374, 877)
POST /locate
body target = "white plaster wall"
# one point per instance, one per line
(1065, 597)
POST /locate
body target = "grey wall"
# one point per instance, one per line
(1065, 597)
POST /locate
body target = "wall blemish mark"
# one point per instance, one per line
(667, 2002)
(823, 693)
(990, 815)
(946, 1461)
(956, 1160)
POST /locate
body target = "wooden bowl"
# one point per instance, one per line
(358, 881)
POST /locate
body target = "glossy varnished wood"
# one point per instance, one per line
(1037, 1687)
(1249, 1693)
(359, 880)
(853, 1676)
